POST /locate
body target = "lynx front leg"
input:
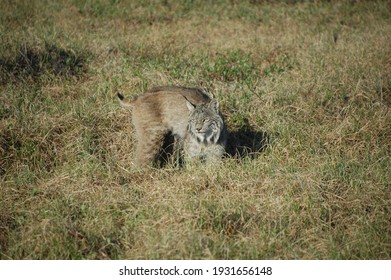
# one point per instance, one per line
(214, 154)
(193, 150)
(178, 151)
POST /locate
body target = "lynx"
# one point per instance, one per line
(188, 114)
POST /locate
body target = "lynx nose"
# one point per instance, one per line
(198, 127)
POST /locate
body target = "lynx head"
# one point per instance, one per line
(205, 121)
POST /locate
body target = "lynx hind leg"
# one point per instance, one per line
(148, 146)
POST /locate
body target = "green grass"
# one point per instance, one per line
(305, 89)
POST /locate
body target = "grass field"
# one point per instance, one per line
(305, 88)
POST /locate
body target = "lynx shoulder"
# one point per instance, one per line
(164, 110)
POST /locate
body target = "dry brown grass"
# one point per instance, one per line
(310, 80)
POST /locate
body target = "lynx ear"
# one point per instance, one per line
(214, 105)
(190, 106)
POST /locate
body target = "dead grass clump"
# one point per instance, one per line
(7, 224)
(8, 144)
(228, 222)
(41, 147)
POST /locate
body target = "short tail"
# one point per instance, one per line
(124, 102)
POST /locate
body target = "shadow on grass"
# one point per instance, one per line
(242, 143)
(32, 61)
(247, 142)
(167, 152)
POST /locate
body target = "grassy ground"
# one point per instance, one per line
(315, 78)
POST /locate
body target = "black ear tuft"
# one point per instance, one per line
(120, 96)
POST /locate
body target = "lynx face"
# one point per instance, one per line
(205, 122)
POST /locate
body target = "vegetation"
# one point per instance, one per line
(305, 87)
